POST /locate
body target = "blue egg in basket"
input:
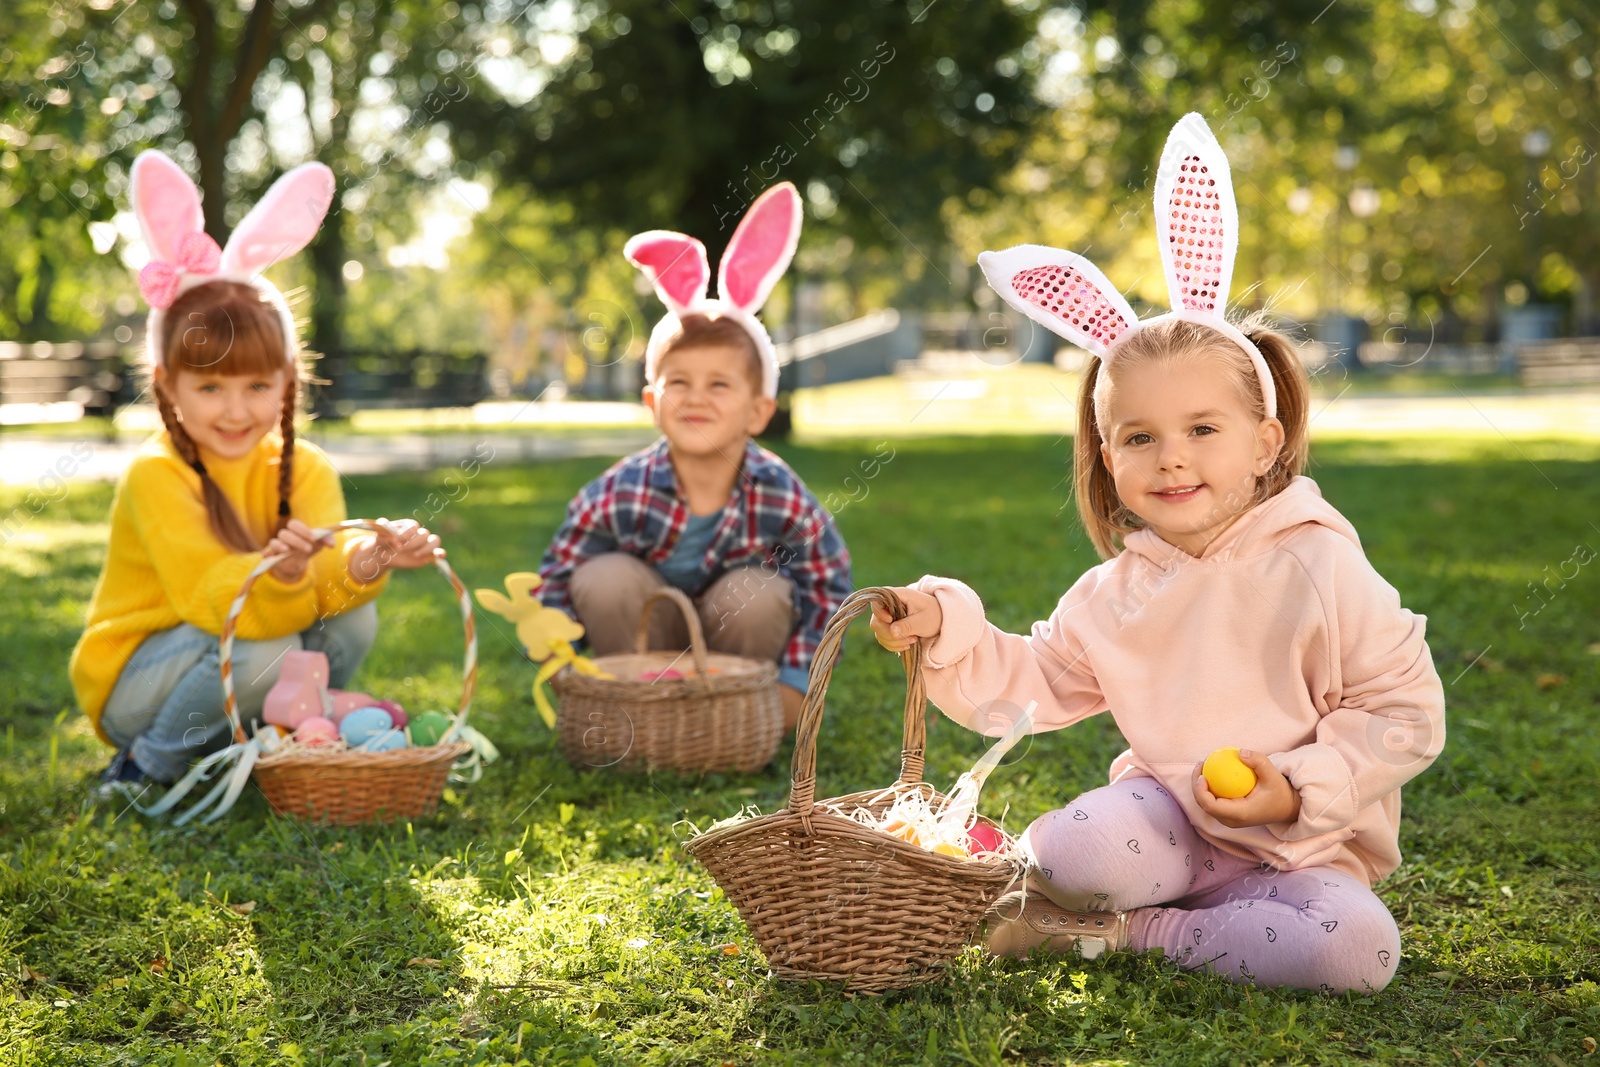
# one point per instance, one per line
(363, 724)
(387, 741)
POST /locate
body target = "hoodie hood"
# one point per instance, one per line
(1256, 531)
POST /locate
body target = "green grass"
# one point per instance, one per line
(548, 915)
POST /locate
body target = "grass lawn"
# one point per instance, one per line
(548, 915)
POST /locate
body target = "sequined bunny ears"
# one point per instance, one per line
(1197, 223)
(183, 255)
(757, 255)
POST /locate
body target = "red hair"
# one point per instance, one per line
(228, 328)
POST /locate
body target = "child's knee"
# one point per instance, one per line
(608, 594)
(1354, 945)
(1077, 858)
(256, 665)
(756, 606)
(356, 629)
(1367, 963)
(609, 575)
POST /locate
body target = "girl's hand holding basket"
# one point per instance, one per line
(923, 618)
(402, 544)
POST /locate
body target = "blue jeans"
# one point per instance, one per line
(167, 704)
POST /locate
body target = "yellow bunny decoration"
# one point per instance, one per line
(547, 633)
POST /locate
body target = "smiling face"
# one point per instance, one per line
(707, 401)
(225, 414)
(1183, 448)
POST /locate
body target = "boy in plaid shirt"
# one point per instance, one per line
(704, 508)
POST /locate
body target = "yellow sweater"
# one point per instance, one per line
(164, 566)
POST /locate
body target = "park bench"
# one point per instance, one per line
(358, 379)
(1573, 361)
(45, 382)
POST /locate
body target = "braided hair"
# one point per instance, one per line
(228, 328)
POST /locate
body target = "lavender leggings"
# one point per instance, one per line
(1130, 846)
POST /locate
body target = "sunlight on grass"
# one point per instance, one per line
(1034, 398)
(549, 915)
(30, 552)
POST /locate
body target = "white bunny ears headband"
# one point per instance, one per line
(183, 255)
(1197, 222)
(762, 245)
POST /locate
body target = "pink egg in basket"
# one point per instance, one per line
(660, 676)
(316, 730)
(345, 701)
(396, 712)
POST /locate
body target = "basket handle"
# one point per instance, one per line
(469, 668)
(803, 780)
(697, 637)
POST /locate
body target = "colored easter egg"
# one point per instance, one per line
(903, 830)
(396, 712)
(363, 723)
(660, 676)
(428, 728)
(984, 838)
(945, 849)
(345, 701)
(1227, 775)
(316, 731)
(387, 741)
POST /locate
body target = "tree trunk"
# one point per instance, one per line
(45, 284)
(327, 263)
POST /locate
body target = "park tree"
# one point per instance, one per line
(648, 115)
(237, 94)
(1381, 154)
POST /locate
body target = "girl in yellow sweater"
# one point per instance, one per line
(224, 485)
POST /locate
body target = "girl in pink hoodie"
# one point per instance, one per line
(1235, 607)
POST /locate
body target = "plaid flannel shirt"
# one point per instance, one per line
(771, 520)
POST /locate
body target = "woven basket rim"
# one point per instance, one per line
(825, 823)
(715, 659)
(751, 675)
(352, 759)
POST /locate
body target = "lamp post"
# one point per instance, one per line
(1342, 329)
(1535, 145)
(1531, 320)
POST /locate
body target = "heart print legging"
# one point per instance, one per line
(1130, 846)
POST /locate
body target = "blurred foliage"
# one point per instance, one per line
(543, 133)
(1439, 102)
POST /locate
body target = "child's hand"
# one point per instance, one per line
(403, 543)
(923, 618)
(295, 542)
(1274, 799)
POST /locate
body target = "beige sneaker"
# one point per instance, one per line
(1014, 927)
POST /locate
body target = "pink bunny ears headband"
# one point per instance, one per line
(756, 257)
(1197, 223)
(183, 255)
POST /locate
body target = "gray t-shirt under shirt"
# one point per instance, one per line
(682, 568)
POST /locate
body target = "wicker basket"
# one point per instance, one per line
(344, 786)
(832, 900)
(728, 720)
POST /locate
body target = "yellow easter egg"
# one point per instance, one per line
(1227, 775)
(956, 851)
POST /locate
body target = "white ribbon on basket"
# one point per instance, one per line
(236, 762)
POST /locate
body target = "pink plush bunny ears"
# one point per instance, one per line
(182, 255)
(1197, 222)
(757, 255)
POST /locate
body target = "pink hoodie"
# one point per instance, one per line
(1280, 638)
